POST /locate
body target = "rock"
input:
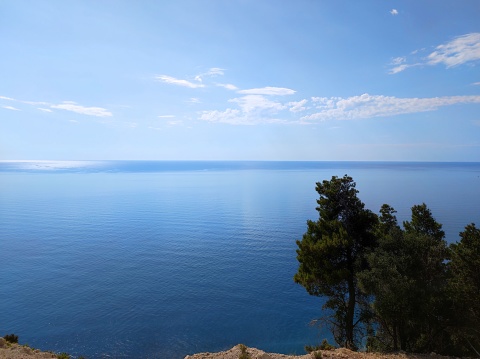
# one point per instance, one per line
(27, 350)
(263, 356)
(3, 343)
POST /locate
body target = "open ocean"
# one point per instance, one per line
(160, 259)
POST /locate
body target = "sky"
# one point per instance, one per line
(314, 80)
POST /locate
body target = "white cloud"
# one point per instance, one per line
(297, 106)
(463, 49)
(228, 86)
(258, 109)
(194, 100)
(398, 69)
(278, 91)
(11, 108)
(175, 123)
(166, 116)
(394, 12)
(476, 84)
(214, 71)
(236, 117)
(65, 105)
(370, 106)
(251, 103)
(178, 82)
(231, 116)
(90, 111)
(398, 60)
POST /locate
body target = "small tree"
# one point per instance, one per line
(407, 277)
(333, 251)
(464, 288)
(389, 280)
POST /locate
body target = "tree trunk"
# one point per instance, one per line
(350, 343)
(395, 336)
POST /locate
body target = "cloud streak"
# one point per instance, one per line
(11, 108)
(274, 91)
(371, 106)
(174, 81)
(461, 50)
(65, 105)
(228, 86)
(89, 111)
(257, 109)
(214, 71)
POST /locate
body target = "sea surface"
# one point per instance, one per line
(160, 259)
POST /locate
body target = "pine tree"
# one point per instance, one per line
(333, 251)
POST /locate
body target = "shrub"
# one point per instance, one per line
(317, 355)
(326, 345)
(311, 348)
(11, 338)
(243, 352)
(63, 356)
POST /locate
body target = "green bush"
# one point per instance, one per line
(324, 346)
(317, 355)
(11, 338)
(243, 352)
(63, 356)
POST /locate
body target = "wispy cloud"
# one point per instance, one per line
(194, 100)
(370, 106)
(90, 111)
(65, 105)
(166, 116)
(276, 91)
(11, 108)
(297, 106)
(476, 84)
(251, 103)
(465, 48)
(228, 86)
(253, 108)
(175, 123)
(173, 81)
(461, 50)
(394, 12)
(237, 117)
(212, 72)
(258, 109)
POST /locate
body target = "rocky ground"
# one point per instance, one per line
(341, 353)
(16, 351)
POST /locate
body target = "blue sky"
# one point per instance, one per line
(240, 80)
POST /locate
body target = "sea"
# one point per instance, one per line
(160, 259)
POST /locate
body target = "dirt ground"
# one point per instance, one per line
(16, 351)
(341, 353)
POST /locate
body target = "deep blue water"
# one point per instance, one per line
(131, 259)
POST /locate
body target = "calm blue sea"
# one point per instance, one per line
(130, 259)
